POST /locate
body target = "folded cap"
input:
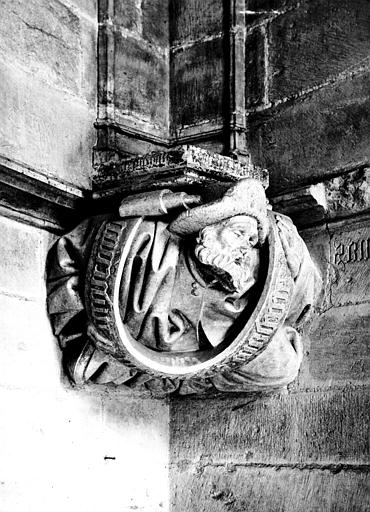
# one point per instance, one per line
(246, 197)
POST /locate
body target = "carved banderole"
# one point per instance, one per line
(156, 203)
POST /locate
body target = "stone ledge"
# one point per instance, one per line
(33, 198)
(183, 166)
(343, 196)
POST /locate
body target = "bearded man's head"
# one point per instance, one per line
(230, 250)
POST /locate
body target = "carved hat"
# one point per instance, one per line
(246, 197)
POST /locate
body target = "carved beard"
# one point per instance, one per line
(236, 269)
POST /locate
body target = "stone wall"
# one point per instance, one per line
(48, 86)
(307, 112)
(197, 69)
(308, 116)
(133, 63)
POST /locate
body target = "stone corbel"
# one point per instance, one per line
(192, 285)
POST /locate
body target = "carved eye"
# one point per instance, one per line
(253, 239)
(239, 233)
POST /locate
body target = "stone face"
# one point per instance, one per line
(147, 19)
(197, 73)
(88, 61)
(134, 78)
(48, 87)
(155, 22)
(44, 128)
(219, 489)
(311, 138)
(194, 19)
(310, 427)
(314, 42)
(127, 14)
(254, 68)
(45, 38)
(141, 87)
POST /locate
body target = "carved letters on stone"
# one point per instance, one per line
(350, 269)
(175, 294)
(353, 251)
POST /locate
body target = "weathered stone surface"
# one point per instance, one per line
(350, 264)
(44, 38)
(349, 193)
(194, 19)
(318, 244)
(45, 128)
(22, 260)
(337, 349)
(89, 69)
(155, 22)
(317, 240)
(141, 84)
(254, 69)
(316, 41)
(305, 206)
(177, 167)
(30, 357)
(118, 145)
(147, 19)
(315, 136)
(197, 73)
(86, 7)
(311, 427)
(77, 451)
(261, 489)
(127, 14)
(332, 199)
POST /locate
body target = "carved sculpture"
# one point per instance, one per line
(174, 294)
